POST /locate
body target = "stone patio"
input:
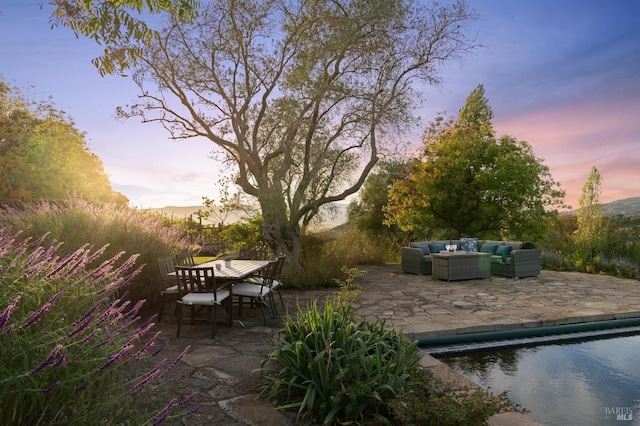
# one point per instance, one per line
(222, 369)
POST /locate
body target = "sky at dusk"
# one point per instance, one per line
(563, 75)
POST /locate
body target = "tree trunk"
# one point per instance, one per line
(281, 234)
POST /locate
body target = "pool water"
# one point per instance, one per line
(586, 383)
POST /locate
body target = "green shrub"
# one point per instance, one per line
(362, 248)
(324, 255)
(76, 222)
(333, 370)
(427, 401)
(72, 350)
(245, 234)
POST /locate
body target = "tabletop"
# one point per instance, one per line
(237, 269)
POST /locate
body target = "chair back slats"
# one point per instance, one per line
(268, 275)
(185, 259)
(279, 266)
(166, 266)
(195, 280)
(252, 254)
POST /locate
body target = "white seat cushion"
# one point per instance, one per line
(170, 290)
(204, 298)
(256, 280)
(250, 290)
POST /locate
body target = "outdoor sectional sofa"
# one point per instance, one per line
(513, 259)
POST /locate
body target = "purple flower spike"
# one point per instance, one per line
(146, 346)
(7, 331)
(44, 364)
(117, 357)
(61, 360)
(157, 351)
(147, 378)
(188, 399)
(175, 362)
(193, 410)
(50, 389)
(38, 314)
(164, 413)
(4, 318)
(91, 335)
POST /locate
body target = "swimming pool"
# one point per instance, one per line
(582, 383)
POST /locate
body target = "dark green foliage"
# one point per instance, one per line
(245, 234)
(367, 213)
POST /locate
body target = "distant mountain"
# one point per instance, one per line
(336, 218)
(624, 207)
(186, 212)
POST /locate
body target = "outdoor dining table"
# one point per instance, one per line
(232, 271)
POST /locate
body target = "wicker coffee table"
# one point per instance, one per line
(460, 265)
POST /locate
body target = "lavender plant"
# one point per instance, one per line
(76, 222)
(74, 348)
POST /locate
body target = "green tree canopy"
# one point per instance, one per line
(44, 157)
(299, 96)
(367, 212)
(118, 24)
(592, 234)
(468, 183)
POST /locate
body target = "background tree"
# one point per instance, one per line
(297, 95)
(44, 157)
(591, 237)
(468, 183)
(367, 212)
(118, 24)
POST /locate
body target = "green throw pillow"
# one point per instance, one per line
(503, 251)
(488, 248)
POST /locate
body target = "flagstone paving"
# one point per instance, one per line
(223, 369)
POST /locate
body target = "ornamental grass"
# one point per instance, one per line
(116, 230)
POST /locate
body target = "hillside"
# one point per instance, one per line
(175, 212)
(624, 207)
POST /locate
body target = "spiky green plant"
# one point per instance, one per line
(333, 370)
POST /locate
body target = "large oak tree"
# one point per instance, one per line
(469, 183)
(300, 96)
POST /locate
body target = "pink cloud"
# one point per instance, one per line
(574, 137)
